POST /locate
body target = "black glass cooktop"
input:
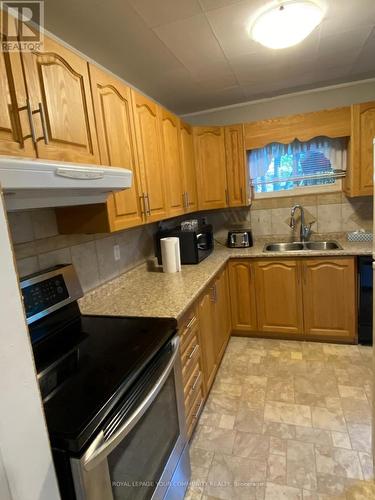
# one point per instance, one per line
(86, 367)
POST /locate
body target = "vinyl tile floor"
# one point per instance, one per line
(286, 420)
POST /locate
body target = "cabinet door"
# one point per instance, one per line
(210, 161)
(114, 119)
(188, 167)
(279, 296)
(170, 126)
(147, 129)
(362, 156)
(222, 314)
(207, 336)
(15, 133)
(242, 295)
(59, 92)
(238, 192)
(329, 297)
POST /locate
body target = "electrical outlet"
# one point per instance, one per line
(116, 252)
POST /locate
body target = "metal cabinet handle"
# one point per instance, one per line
(148, 209)
(193, 351)
(143, 204)
(44, 123)
(187, 199)
(31, 121)
(227, 196)
(195, 382)
(241, 195)
(198, 409)
(193, 319)
(212, 294)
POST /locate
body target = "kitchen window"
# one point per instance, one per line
(314, 166)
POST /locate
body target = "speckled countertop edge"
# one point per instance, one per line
(146, 291)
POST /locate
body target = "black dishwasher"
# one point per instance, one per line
(365, 307)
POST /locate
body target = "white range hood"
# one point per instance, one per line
(28, 183)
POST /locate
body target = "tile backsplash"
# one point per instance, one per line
(331, 213)
(38, 245)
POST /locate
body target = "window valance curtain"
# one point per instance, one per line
(319, 155)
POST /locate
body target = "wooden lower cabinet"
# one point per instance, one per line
(207, 336)
(329, 298)
(221, 314)
(279, 298)
(242, 296)
(204, 333)
(191, 364)
(305, 298)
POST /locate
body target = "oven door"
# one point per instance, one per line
(141, 453)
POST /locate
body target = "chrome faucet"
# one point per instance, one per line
(305, 231)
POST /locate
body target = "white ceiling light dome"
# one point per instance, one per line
(286, 23)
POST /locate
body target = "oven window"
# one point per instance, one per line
(137, 463)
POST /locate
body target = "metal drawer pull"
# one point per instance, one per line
(44, 123)
(190, 322)
(143, 204)
(31, 121)
(198, 410)
(193, 351)
(195, 382)
(148, 204)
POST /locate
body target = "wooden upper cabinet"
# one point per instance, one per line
(15, 133)
(149, 147)
(117, 145)
(188, 167)
(279, 297)
(329, 296)
(59, 92)
(305, 126)
(242, 295)
(170, 126)
(359, 180)
(209, 148)
(237, 176)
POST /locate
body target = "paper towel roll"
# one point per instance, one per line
(170, 254)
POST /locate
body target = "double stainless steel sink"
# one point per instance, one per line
(298, 246)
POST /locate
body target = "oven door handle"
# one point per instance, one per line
(100, 448)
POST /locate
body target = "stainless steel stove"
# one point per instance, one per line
(112, 395)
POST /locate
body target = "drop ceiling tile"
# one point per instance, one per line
(365, 63)
(353, 39)
(343, 15)
(156, 13)
(111, 37)
(216, 4)
(193, 43)
(230, 27)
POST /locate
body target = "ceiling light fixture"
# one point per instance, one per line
(286, 23)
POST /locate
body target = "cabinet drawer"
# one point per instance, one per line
(188, 324)
(193, 416)
(189, 358)
(192, 387)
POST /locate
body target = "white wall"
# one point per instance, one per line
(289, 104)
(24, 445)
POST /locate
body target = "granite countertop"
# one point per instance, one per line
(147, 291)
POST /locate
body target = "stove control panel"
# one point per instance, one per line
(49, 290)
